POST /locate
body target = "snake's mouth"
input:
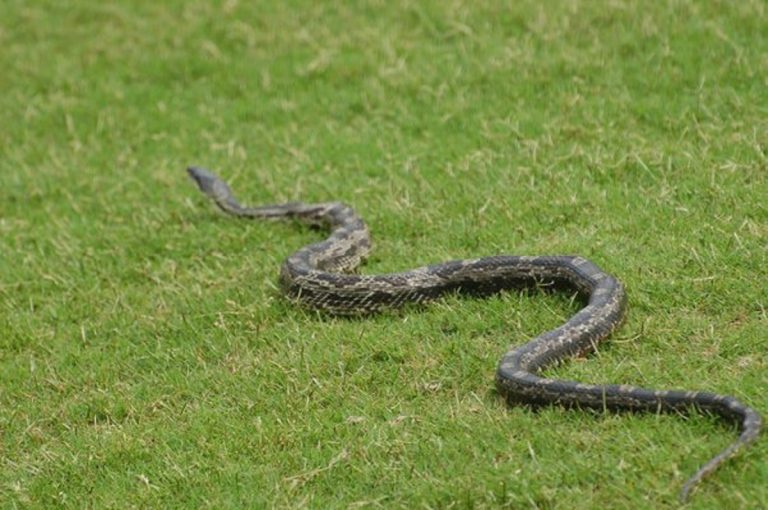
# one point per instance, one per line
(204, 178)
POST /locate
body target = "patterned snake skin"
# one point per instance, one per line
(318, 276)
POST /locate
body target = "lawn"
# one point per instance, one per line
(148, 360)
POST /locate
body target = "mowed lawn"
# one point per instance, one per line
(148, 360)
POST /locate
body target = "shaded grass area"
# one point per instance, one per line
(147, 358)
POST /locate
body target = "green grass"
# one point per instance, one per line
(147, 359)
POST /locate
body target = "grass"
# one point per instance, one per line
(148, 360)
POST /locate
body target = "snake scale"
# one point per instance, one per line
(320, 276)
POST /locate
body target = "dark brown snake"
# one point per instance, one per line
(318, 276)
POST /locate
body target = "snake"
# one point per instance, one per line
(323, 276)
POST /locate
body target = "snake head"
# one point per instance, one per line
(205, 179)
(209, 183)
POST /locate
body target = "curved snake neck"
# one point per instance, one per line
(315, 276)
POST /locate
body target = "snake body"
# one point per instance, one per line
(320, 276)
